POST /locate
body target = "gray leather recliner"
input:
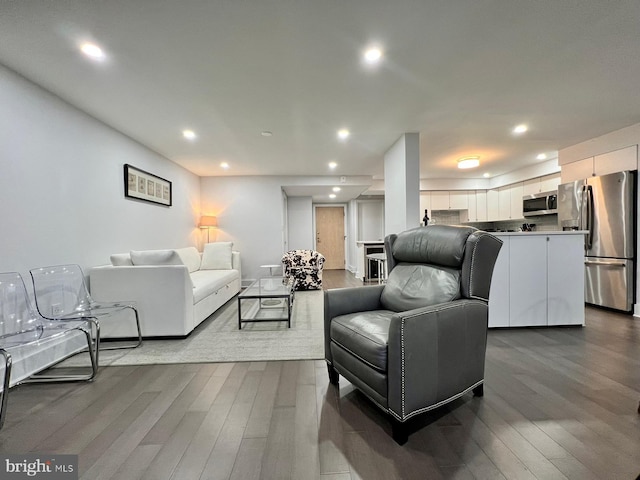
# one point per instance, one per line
(418, 341)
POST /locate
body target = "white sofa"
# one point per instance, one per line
(175, 290)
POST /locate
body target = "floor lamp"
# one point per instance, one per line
(208, 221)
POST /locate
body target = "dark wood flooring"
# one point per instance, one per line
(559, 403)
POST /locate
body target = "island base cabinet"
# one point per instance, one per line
(538, 280)
(565, 266)
(528, 293)
(499, 293)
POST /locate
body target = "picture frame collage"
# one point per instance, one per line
(141, 185)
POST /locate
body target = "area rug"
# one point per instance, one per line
(218, 339)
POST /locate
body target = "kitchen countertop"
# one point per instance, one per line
(552, 232)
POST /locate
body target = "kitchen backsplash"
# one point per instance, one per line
(543, 223)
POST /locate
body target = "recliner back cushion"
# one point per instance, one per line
(435, 244)
(412, 286)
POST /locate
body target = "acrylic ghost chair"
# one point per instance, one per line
(61, 294)
(23, 331)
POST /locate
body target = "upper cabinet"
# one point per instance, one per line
(454, 200)
(548, 183)
(509, 202)
(477, 211)
(612, 162)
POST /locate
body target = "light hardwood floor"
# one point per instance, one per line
(559, 403)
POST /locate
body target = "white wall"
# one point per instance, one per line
(250, 214)
(300, 220)
(61, 186)
(402, 184)
(370, 220)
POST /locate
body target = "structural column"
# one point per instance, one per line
(402, 184)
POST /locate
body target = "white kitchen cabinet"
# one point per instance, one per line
(493, 205)
(611, 162)
(548, 183)
(499, 292)
(504, 203)
(471, 214)
(440, 200)
(516, 201)
(577, 170)
(458, 200)
(528, 295)
(481, 205)
(616, 161)
(538, 280)
(565, 280)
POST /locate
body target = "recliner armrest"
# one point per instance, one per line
(446, 344)
(341, 301)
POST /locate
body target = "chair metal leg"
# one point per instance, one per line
(5, 384)
(138, 342)
(92, 347)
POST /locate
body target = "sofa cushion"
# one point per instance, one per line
(217, 256)
(121, 260)
(205, 282)
(190, 257)
(366, 333)
(155, 257)
(412, 286)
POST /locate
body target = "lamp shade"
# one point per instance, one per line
(208, 221)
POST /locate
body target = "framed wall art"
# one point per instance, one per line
(146, 186)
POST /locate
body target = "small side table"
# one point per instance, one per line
(381, 259)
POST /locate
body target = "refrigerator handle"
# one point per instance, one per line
(590, 210)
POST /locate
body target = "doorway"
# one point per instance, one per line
(330, 238)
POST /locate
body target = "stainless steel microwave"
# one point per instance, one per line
(545, 203)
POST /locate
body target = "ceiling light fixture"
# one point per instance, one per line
(332, 165)
(486, 175)
(373, 55)
(333, 195)
(343, 134)
(224, 165)
(266, 133)
(520, 128)
(541, 156)
(92, 51)
(469, 162)
(336, 189)
(189, 134)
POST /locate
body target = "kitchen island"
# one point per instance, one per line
(538, 280)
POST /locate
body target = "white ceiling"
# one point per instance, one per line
(460, 72)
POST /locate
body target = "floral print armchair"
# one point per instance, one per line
(305, 266)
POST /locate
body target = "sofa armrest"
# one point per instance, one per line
(163, 294)
(235, 263)
(434, 354)
(341, 301)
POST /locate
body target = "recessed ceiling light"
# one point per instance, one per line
(373, 55)
(189, 134)
(469, 162)
(224, 165)
(266, 133)
(333, 195)
(343, 134)
(520, 128)
(336, 189)
(332, 165)
(541, 156)
(486, 175)
(92, 51)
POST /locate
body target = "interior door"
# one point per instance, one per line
(330, 236)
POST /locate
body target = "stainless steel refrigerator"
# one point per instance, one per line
(605, 207)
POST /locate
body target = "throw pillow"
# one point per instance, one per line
(190, 257)
(217, 256)
(121, 260)
(155, 257)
